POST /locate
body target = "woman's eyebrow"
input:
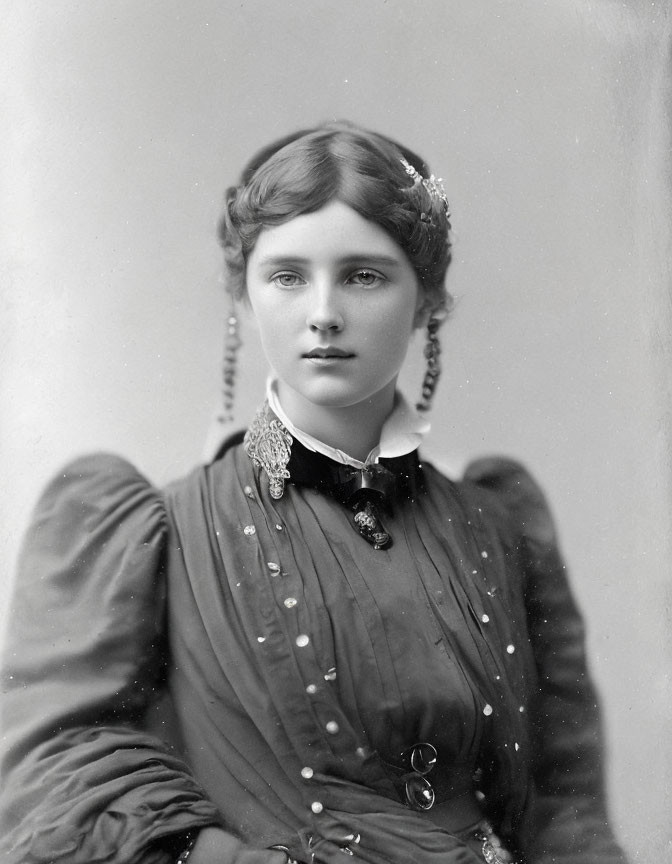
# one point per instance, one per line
(352, 259)
(283, 261)
(367, 258)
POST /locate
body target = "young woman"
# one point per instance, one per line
(366, 659)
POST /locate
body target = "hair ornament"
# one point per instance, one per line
(434, 185)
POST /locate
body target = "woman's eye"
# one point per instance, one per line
(366, 278)
(287, 280)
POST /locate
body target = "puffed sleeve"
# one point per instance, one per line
(83, 658)
(567, 821)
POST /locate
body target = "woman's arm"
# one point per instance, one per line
(567, 820)
(82, 781)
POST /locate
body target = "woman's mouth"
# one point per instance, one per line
(327, 356)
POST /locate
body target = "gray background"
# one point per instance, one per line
(549, 122)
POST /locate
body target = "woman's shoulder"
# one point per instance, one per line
(101, 480)
(99, 469)
(94, 495)
(507, 492)
(98, 486)
(93, 549)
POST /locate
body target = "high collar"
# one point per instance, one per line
(402, 432)
(365, 490)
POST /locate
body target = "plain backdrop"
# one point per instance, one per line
(549, 120)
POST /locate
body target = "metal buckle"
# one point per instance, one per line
(419, 792)
(422, 757)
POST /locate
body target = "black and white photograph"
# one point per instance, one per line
(336, 398)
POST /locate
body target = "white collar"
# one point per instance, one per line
(402, 432)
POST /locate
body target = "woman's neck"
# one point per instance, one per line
(353, 429)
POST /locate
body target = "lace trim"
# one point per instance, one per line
(269, 446)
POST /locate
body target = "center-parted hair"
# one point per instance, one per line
(305, 171)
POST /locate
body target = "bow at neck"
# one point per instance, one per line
(366, 492)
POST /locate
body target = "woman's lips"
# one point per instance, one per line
(327, 356)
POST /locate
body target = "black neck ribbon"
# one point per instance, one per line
(366, 492)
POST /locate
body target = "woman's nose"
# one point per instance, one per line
(324, 313)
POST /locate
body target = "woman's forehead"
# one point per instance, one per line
(335, 231)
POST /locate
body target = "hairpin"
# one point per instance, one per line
(434, 185)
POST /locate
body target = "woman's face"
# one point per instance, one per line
(336, 301)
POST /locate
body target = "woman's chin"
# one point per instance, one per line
(337, 396)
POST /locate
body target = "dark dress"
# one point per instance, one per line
(300, 661)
